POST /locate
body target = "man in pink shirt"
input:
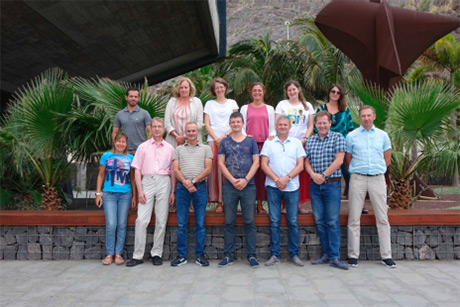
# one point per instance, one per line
(155, 182)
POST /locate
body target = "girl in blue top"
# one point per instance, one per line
(119, 194)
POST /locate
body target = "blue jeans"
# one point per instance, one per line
(325, 202)
(247, 198)
(183, 198)
(116, 208)
(291, 201)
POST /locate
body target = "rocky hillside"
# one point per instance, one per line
(256, 18)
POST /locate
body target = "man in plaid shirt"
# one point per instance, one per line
(325, 152)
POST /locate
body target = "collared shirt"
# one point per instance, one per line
(154, 158)
(282, 158)
(133, 124)
(321, 152)
(367, 148)
(192, 158)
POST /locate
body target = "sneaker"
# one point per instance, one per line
(353, 262)
(324, 259)
(253, 262)
(202, 261)
(336, 263)
(389, 263)
(179, 261)
(134, 262)
(272, 261)
(156, 260)
(296, 261)
(225, 262)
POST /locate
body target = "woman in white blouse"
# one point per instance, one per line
(216, 121)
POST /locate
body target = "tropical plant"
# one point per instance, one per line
(34, 132)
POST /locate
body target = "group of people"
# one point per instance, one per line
(257, 154)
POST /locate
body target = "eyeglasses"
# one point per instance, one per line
(336, 92)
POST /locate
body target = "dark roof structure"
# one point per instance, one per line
(121, 40)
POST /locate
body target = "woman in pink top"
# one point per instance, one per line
(259, 123)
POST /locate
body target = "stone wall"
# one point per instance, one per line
(59, 243)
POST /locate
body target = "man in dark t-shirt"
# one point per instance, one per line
(238, 160)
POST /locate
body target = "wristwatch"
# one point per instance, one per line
(324, 175)
(98, 193)
(193, 181)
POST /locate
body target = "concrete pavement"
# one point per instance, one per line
(88, 283)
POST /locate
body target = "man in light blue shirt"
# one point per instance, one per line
(368, 155)
(282, 161)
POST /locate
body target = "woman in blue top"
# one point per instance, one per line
(119, 194)
(341, 119)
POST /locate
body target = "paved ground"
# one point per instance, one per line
(88, 283)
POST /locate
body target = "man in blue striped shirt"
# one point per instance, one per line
(325, 152)
(368, 156)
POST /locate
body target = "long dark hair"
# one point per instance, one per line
(301, 97)
(342, 101)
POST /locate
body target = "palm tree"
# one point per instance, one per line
(34, 131)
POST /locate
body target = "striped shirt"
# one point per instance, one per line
(192, 159)
(321, 152)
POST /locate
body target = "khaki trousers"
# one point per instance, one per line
(157, 190)
(376, 186)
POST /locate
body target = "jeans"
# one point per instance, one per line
(116, 208)
(183, 198)
(325, 202)
(291, 201)
(247, 199)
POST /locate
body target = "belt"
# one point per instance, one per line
(368, 175)
(333, 179)
(197, 184)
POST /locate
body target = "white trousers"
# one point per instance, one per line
(376, 186)
(157, 190)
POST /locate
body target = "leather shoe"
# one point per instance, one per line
(156, 260)
(134, 262)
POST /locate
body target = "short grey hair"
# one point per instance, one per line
(365, 107)
(158, 119)
(281, 117)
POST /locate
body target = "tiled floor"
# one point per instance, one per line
(88, 283)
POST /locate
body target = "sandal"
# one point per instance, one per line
(119, 260)
(108, 260)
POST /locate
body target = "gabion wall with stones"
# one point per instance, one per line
(63, 242)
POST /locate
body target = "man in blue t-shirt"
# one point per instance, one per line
(238, 160)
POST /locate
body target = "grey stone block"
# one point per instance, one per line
(238, 243)
(9, 253)
(10, 237)
(91, 238)
(101, 234)
(444, 251)
(22, 252)
(397, 252)
(404, 238)
(434, 239)
(34, 251)
(426, 253)
(130, 237)
(409, 253)
(457, 252)
(312, 239)
(60, 253)
(166, 252)
(32, 235)
(2, 243)
(65, 237)
(47, 252)
(80, 233)
(19, 230)
(419, 238)
(94, 252)
(263, 240)
(46, 239)
(77, 250)
(44, 229)
(313, 252)
(21, 239)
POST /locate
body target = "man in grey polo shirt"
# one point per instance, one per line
(192, 164)
(133, 121)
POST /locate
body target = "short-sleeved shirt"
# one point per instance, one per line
(321, 152)
(219, 115)
(238, 156)
(117, 169)
(298, 116)
(192, 158)
(367, 148)
(154, 158)
(133, 124)
(282, 159)
(341, 121)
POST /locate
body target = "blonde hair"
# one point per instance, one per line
(179, 82)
